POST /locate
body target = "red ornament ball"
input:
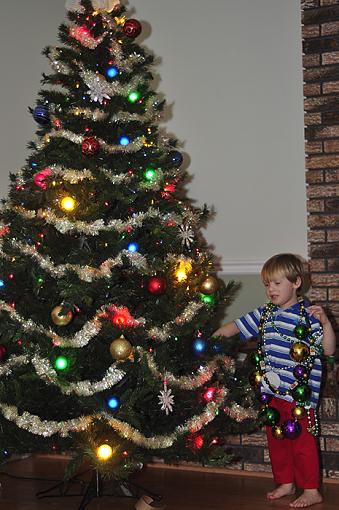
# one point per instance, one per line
(156, 285)
(3, 352)
(90, 146)
(132, 28)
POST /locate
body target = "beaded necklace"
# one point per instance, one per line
(303, 353)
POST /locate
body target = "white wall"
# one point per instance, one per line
(232, 71)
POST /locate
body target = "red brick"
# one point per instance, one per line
(310, 31)
(322, 161)
(315, 205)
(328, 2)
(312, 60)
(325, 190)
(333, 265)
(308, 4)
(333, 294)
(331, 146)
(330, 280)
(332, 205)
(314, 176)
(314, 147)
(317, 266)
(332, 175)
(332, 444)
(326, 132)
(258, 439)
(316, 236)
(324, 250)
(332, 236)
(334, 307)
(312, 118)
(330, 87)
(330, 429)
(321, 103)
(323, 220)
(312, 89)
(329, 408)
(322, 73)
(257, 467)
(331, 28)
(232, 439)
(330, 58)
(318, 294)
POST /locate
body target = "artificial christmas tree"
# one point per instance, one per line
(108, 293)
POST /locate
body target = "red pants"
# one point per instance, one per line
(294, 460)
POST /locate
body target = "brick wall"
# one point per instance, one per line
(320, 30)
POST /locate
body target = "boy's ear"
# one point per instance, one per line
(297, 283)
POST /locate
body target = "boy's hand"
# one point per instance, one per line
(319, 313)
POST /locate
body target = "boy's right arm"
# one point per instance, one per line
(229, 329)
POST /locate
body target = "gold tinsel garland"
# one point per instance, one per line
(85, 273)
(46, 372)
(93, 326)
(64, 225)
(189, 382)
(135, 146)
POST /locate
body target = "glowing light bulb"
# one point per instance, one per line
(183, 270)
(133, 247)
(112, 72)
(68, 203)
(104, 452)
(113, 402)
(124, 140)
(149, 174)
(61, 363)
(133, 97)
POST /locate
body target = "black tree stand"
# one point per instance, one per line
(96, 488)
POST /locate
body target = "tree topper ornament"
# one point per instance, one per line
(99, 5)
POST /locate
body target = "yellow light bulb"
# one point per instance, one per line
(185, 267)
(104, 452)
(68, 203)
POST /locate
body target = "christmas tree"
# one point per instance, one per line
(108, 289)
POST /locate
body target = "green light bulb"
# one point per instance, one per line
(150, 174)
(133, 96)
(208, 300)
(61, 363)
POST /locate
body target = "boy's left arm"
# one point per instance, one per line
(329, 342)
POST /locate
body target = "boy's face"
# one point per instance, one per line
(281, 291)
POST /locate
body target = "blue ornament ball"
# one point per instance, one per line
(176, 158)
(199, 345)
(41, 114)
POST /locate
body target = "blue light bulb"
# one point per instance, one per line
(113, 402)
(133, 247)
(2, 283)
(112, 72)
(124, 140)
(199, 345)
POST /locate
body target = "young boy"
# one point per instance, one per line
(292, 339)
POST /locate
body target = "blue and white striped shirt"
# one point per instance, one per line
(277, 348)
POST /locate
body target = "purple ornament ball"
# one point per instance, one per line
(301, 373)
(291, 429)
(265, 398)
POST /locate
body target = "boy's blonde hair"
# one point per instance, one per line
(285, 264)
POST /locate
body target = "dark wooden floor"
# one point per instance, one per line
(181, 490)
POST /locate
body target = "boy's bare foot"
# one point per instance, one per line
(308, 498)
(285, 489)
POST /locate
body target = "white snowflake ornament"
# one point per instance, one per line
(166, 399)
(98, 87)
(99, 5)
(186, 234)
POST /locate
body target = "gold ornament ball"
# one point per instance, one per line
(255, 378)
(298, 412)
(299, 351)
(277, 432)
(209, 285)
(61, 320)
(121, 348)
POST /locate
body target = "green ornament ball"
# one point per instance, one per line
(300, 332)
(301, 393)
(256, 357)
